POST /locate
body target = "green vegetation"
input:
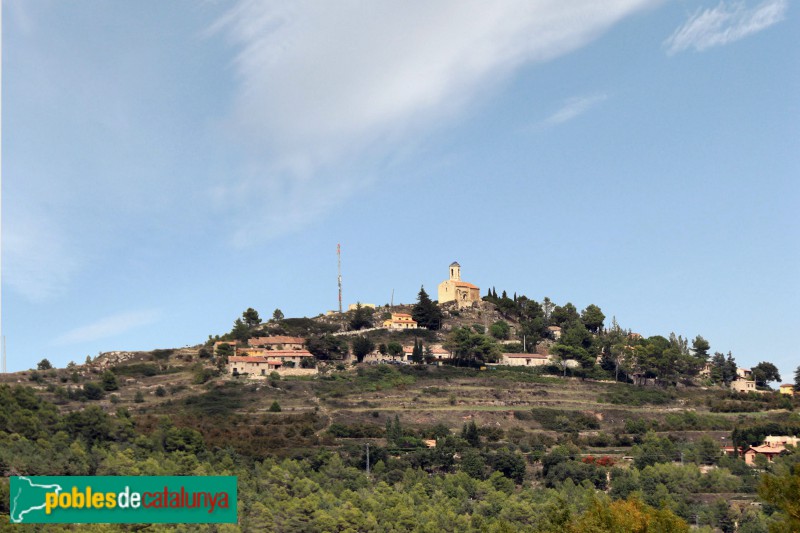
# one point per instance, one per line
(629, 395)
(567, 422)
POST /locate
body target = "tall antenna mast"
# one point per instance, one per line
(3, 362)
(339, 260)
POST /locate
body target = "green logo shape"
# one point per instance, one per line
(123, 499)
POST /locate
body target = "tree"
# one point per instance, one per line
(327, 347)
(797, 379)
(499, 330)
(565, 316)
(277, 315)
(44, 364)
(138, 397)
(593, 318)
(426, 312)
(394, 349)
(765, 372)
(93, 391)
(723, 370)
(109, 381)
(362, 346)
(251, 317)
(700, 347)
(547, 308)
(240, 331)
(362, 317)
(783, 491)
(470, 348)
(416, 353)
(470, 434)
(275, 407)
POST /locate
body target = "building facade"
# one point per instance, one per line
(400, 321)
(455, 290)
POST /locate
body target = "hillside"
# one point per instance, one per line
(537, 430)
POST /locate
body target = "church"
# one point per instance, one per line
(455, 290)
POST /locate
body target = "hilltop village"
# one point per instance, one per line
(501, 413)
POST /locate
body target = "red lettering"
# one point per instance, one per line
(149, 504)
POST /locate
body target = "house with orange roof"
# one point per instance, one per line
(232, 344)
(261, 366)
(287, 358)
(400, 321)
(787, 388)
(277, 342)
(456, 290)
(772, 447)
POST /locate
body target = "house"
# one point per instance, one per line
(455, 290)
(706, 370)
(288, 358)
(744, 373)
(436, 351)
(232, 344)
(743, 385)
(555, 331)
(770, 452)
(524, 359)
(772, 447)
(400, 321)
(278, 342)
(252, 365)
(787, 388)
(782, 440)
(259, 366)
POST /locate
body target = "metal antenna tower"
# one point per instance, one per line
(3, 362)
(339, 260)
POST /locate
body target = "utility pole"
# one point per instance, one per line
(339, 261)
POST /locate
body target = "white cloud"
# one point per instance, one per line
(323, 83)
(108, 327)
(38, 260)
(726, 23)
(574, 107)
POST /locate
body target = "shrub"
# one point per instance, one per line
(92, 391)
(564, 421)
(162, 355)
(275, 407)
(633, 395)
(138, 397)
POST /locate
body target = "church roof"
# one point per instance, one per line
(465, 284)
(454, 264)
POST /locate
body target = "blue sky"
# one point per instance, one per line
(168, 164)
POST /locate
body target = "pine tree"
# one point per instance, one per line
(426, 312)
(416, 353)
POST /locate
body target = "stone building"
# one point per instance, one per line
(455, 290)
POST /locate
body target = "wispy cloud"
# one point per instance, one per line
(109, 327)
(726, 23)
(574, 107)
(321, 85)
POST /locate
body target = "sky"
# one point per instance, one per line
(167, 165)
